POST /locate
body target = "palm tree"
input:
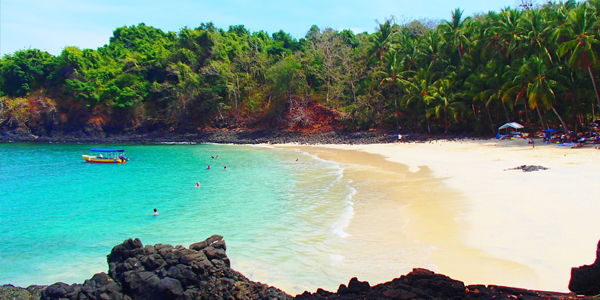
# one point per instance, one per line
(540, 88)
(508, 29)
(582, 49)
(487, 86)
(454, 32)
(536, 33)
(418, 91)
(381, 39)
(392, 75)
(445, 100)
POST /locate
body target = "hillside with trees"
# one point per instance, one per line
(537, 65)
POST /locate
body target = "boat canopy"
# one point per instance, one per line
(107, 150)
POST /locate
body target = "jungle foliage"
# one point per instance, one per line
(536, 65)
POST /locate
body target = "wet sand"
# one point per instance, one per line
(452, 207)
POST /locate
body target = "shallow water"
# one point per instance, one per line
(283, 220)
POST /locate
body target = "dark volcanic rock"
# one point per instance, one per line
(166, 272)
(138, 272)
(9, 291)
(585, 280)
(425, 284)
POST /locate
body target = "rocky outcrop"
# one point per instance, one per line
(425, 284)
(9, 291)
(140, 272)
(202, 271)
(585, 280)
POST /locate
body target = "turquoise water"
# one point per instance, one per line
(282, 219)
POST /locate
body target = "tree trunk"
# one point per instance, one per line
(235, 101)
(526, 114)
(505, 111)
(238, 92)
(541, 120)
(327, 96)
(396, 113)
(290, 93)
(445, 121)
(428, 126)
(490, 116)
(594, 83)
(561, 120)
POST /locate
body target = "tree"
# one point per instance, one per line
(454, 32)
(286, 76)
(392, 75)
(381, 39)
(582, 48)
(418, 92)
(445, 100)
(536, 76)
(25, 71)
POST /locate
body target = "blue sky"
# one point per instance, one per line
(51, 25)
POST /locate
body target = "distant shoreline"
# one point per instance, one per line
(226, 137)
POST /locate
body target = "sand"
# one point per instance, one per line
(454, 208)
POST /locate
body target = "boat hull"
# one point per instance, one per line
(104, 160)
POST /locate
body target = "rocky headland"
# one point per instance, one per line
(203, 271)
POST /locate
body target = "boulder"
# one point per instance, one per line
(585, 280)
(166, 272)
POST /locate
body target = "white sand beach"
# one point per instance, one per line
(467, 216)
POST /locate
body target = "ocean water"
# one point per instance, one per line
(283, 220)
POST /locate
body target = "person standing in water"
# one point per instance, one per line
(225, 168)
(198, 184)
(155, 212)
(208, 167)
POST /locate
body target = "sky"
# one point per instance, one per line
(51, 25)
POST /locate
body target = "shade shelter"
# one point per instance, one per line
(513, 125)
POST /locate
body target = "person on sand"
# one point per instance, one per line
(155, 212)
(198, 184)
(296, 159)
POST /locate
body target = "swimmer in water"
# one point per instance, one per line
(225, 168)
(208, 167)
(155, 212)
(198, 184)
(217, 157)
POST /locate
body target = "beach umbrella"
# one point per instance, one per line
(550, 130)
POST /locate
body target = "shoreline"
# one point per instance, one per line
(487, 159)
(499, 227)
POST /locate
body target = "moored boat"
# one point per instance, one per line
(106, 156)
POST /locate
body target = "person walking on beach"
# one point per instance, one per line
(155, 212)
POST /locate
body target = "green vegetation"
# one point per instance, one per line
(534, 65)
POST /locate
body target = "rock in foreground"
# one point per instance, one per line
(203, 271)
(585, 280)
(166, 272)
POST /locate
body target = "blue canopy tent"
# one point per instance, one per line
(107, 150)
